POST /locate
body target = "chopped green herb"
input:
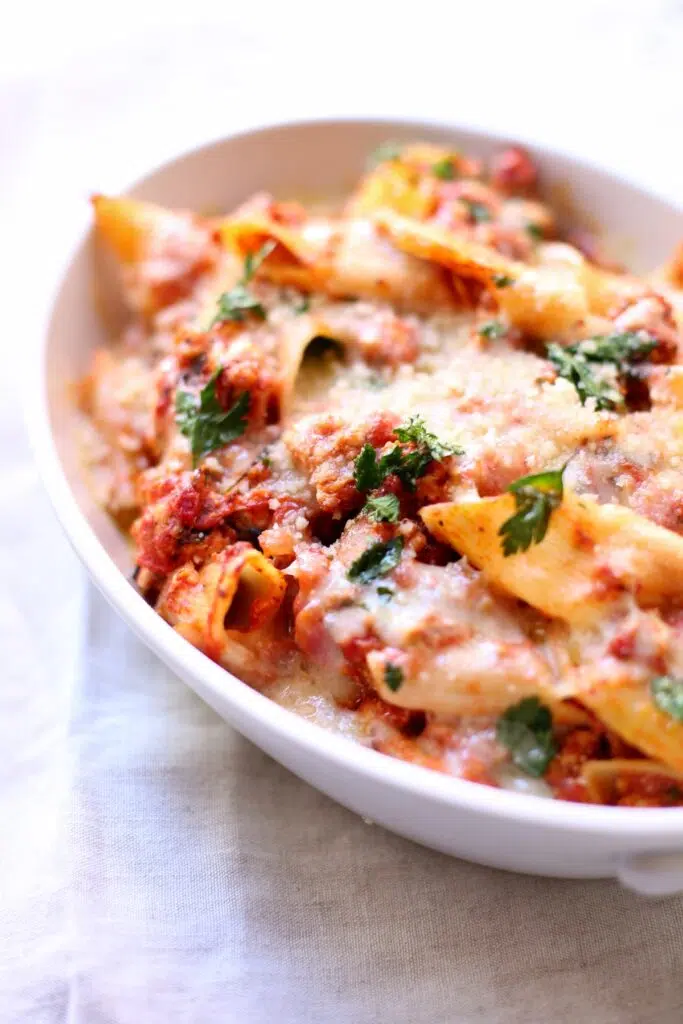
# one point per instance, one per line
(415, 430)
(367, 475)
(536, 497)
(526, 729)
(385, 594)
(384, 508)
(253, 260)
(237, 303)
(667, 693)
(502, 280)
(377, 560)
(576, 369)
(265, 458)
(203, 420)
(444, 169)
(384, 154)
(617, 348)
(408, 466)
(493, 330)
(477, 211)
(393, 676)
(303, 304)
(577, 364)
(534, 231)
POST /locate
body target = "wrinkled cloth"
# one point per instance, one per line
(156, 868)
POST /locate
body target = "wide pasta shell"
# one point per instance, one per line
(342, 259)
(161, 253)
(302, 254)
(127, 224)
(133, 228)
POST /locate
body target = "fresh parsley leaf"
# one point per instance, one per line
(408, 466)
(205, 423)
(384, 154)
(265, 458)
(393, 676)
(377, 560)
(526, 730)
(574, 367)
(667, 693)
(444, 169)
(238, 303)
(367, 474)
(576, 363)
(492, 330)
(385, 594)
(253, 260)
(502, 280)
(534, 231)
(396, 461)
(384, 508)
(536, 497)
(415, 430)
(477, 211)
(303, 305)
(618, 348)
(186, 406)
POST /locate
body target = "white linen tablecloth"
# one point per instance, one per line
(155, 868)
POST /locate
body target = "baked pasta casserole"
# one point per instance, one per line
(411, 464)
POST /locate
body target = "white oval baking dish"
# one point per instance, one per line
(644, 848)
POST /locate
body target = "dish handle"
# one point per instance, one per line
(659, 873)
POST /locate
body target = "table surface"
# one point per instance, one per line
(154, 866)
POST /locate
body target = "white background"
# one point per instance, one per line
(154, 866)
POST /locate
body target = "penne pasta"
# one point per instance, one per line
(547, 301)
(237, 593)
(475, 678)
(599, 552)
(439, 245)
(626, 706)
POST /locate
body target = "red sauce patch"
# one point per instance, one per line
(513, 172)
